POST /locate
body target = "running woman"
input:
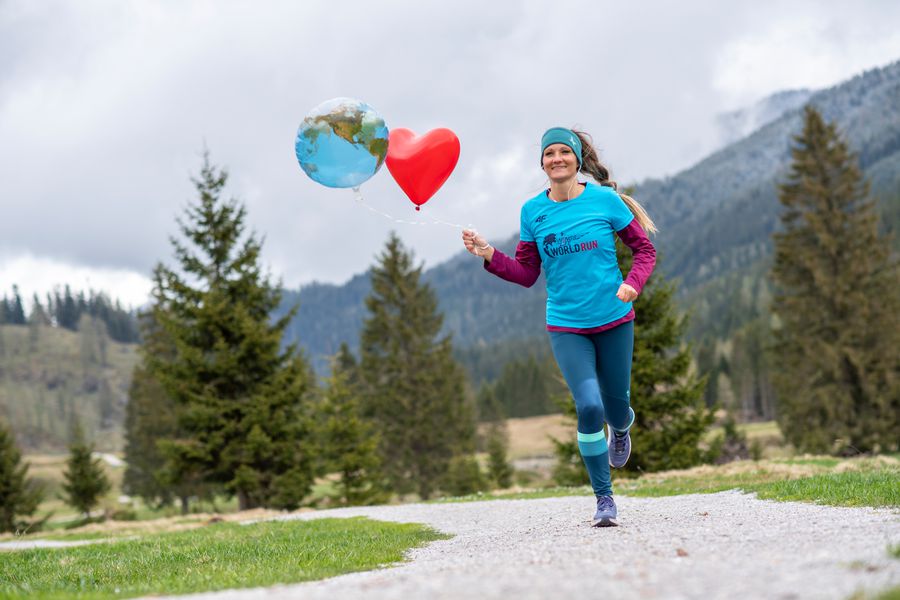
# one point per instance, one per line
(568, 229)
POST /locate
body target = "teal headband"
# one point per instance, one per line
(561, 135)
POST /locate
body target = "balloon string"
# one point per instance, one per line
(434, 221)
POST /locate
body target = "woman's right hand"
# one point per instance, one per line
(476, 244)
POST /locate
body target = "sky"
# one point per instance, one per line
(106, 108)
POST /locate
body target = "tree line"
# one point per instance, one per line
(65, 309)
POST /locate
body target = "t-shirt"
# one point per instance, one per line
(576, 241)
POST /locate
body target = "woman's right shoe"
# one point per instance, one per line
(619, 447)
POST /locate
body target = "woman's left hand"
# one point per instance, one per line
(626, 293)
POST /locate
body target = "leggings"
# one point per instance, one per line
(597, 369)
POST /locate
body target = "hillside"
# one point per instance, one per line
(51, 376)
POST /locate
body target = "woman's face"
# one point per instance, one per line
(559, 162)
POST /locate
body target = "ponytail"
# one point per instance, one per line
(591, 165)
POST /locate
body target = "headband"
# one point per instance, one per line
(561, 135)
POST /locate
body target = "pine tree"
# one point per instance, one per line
(671, 415)
(17, 309)
(838, 301)
(19, 495)
(349, 444)
(497, 437)
(85, 480)
(241, 397)
(413, 389)
(38, 315)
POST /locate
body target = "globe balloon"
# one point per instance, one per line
(342, 143)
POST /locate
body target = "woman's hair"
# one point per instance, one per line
(591, 165)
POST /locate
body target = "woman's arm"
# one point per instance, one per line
(524, 269)
(643, 252)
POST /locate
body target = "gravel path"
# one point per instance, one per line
(726, 545)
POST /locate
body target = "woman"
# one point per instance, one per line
(568, 229)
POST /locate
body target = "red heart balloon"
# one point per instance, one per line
(421, 164)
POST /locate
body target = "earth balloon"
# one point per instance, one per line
(342, 143)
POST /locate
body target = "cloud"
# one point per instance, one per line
(105, 109)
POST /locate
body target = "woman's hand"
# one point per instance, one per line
(626, 293)
(477, 245)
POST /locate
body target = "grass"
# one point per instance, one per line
(874, 488)
(221, 556)
(871, 481)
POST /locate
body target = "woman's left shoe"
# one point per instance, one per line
(619, 448)
(606, 512)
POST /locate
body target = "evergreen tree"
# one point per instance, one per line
(349, 444)
(525, 388)
(413, 389)
(497, 437)
(151, 419)
(68, 315)
(671, 415)
(17, 309)
(463, 476)
(38, 315)
(85, 480)
(838, 301)
(19, 496)
(241, 397)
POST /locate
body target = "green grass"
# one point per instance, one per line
(808, 479)
(851, 488)
(222, 556)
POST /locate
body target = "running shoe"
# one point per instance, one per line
(606, 512)
(619, 447)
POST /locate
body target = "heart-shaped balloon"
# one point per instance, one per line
(421, 164)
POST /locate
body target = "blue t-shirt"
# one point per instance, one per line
(576, 241)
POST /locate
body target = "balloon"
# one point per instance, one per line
(341, 143)
(421, 164)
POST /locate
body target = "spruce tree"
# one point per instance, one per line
(837, 300)
(349, 444)
(17, 309)
(412, 386)
(241, 396)
(151, 420)
(19, 495)
(496, 437)
(671, 415)
(85, 480)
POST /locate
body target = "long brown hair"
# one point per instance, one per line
(591, 165)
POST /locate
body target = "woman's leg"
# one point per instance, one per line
(614, 348)
(577, 360)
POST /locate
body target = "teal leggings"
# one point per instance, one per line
(597, 368)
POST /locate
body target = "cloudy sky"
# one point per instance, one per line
(106, 106)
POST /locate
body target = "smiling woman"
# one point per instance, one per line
(568, 230)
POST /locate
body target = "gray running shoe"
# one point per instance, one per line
(606, 512)
(619, 447)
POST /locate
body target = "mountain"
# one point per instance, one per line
(735, 125)
(716, 220)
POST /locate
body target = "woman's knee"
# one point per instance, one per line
(589, 412)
